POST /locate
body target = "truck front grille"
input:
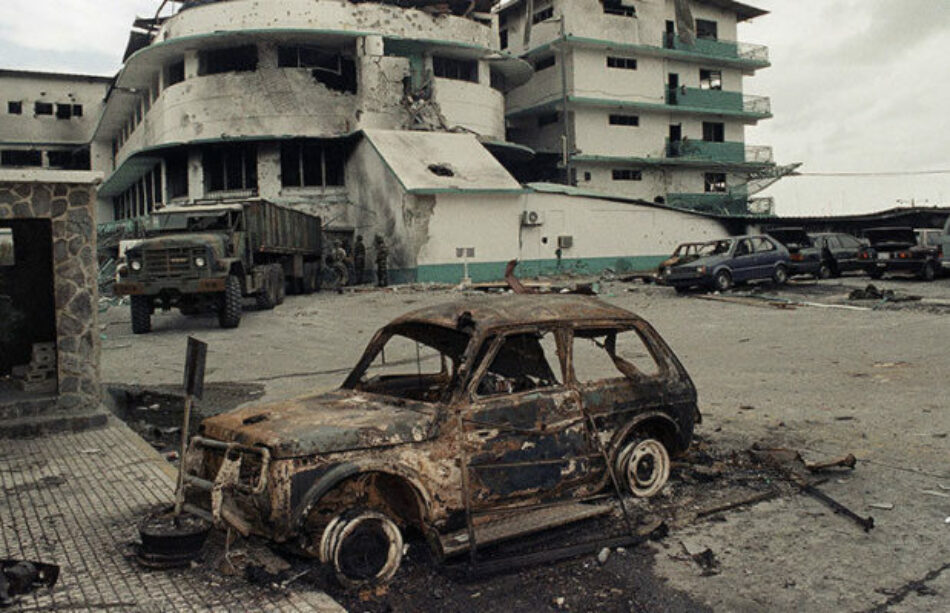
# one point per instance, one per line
(172, 262)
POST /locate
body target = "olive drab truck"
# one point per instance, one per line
(202, 259)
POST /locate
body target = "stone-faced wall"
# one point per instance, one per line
(71, 209)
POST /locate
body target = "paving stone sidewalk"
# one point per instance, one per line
(75, 499)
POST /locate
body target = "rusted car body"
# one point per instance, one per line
(485, 415)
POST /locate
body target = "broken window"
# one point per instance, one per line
(230, 168)
(451, 68)
(328, 66)
(626, 174)
(624, 120)
(715, 182)
(544, 62)
(6, 247)
(620, 7)
(714, 131)
(762, 244)
(176, 175)
(69, 159)
(43, 108)
(707, 29)
(14, 107)
(542, 14)
(525, 361)
(602, 354)
(710, 79)
(312, 164)
(231, 59)
(21, 157)
(415, 361)
(503, 39)
(627, 63)
(175, 73)
(64, 111)
(546, 119)
(441, 170)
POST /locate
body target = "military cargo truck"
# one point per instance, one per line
(208, 258)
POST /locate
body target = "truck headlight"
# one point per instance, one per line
(136, 265)
(200, 262)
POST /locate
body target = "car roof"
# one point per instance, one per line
(488, 312)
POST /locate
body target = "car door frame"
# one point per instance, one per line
(540, 464)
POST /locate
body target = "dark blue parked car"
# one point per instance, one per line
(726, 262)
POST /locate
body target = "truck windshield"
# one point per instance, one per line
(176, 222)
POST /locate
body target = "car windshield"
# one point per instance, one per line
(189, 221)
(416, 361)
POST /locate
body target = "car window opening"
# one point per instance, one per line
(524, 362)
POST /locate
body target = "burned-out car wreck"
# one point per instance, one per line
(457, 419)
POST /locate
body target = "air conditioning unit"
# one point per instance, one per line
(565, 242)
(532, 218)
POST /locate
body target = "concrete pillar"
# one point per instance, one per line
(196, 176)
(268, 171)
(191, 64)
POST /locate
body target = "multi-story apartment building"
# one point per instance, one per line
(639, 98)
(47, 120)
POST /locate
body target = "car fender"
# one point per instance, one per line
(623, 433)
(346, 470)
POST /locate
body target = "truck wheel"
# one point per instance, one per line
(363, 546)
(141, 315)
(266, 298)
(280, 284)
(229, 316)
(929, 272)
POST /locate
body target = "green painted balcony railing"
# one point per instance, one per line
(734, 202)
(704, 150)
(718, 100)
(758, 54)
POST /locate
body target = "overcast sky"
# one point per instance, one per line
(856, 86)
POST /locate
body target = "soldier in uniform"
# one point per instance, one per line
(382, 254)
(359, 260)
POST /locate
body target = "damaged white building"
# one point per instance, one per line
(465, 134)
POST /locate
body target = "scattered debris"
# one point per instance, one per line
(18, 577)
(886, 506)
(935, 493)
(871, 292)
(170, 540)
(603, 556)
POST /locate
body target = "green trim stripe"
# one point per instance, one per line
(495, 271)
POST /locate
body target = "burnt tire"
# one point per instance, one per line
(363, 547)
(266, 298)
(643, 466)
(722, 280)
(141, 315)
(780, 275)
(229, 315)
(928, 272)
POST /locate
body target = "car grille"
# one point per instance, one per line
(172, 262)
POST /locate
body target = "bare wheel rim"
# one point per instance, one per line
(645, 464)
(364, 549)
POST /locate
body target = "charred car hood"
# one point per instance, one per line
(342, 420)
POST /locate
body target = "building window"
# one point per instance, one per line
(710, 79)
(619, 7)
(543, 14)
(311, 164)
(327, 66)
(503, 39)
(175, 73)
(626, 174)
(21, 157)
(546, 119)
(625, 120)
(544, 62)
(69, 159)
(176, 175)
(707, 29)
(232, 59)
(627, 63)
(714, 132)
(497, 81)
(715, 182)
(43, 108)
(451, 68)
(15, 107)
(230, 168)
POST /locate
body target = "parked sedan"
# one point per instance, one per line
(840, 252)
(904, 250)
(730, 261)
(484, 419)
(804, 257)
